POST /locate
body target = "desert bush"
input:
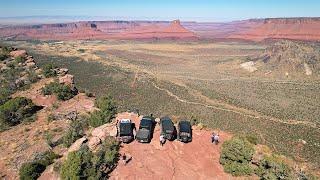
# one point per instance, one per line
(48, 137)
(4, 95)
(236, 156)
(272, 167)
(3, 57)
(16, 110)
(107, 111)
(63, 92)
(6, 50)
(89, 94)
(194, 121)
(252, 138)
(84, 164)
(75, 131)
(11, 65)
(49, 70)
(33, 76)
(32, 170)
(19, 59)
(81, 50)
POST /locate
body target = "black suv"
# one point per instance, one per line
(146, 128)
(126, 128)
(184, 131)
(167, 128)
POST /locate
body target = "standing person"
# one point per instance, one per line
(216, 138)
(162, 140)
(212, 137)
(124, 158)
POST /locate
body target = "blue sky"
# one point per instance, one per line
(197, 10)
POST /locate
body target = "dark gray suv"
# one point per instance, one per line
(167, 128)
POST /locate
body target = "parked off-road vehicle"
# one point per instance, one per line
(126, 130)
(146, 127)
(167, 128)
(184, 131)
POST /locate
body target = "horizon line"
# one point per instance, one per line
(51, 19)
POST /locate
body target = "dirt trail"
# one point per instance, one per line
(244, 112)
(209, 103)
(175, 160)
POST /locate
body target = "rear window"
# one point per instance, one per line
(145, 123)
(184, 127)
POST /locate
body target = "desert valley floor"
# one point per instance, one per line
(202, 80)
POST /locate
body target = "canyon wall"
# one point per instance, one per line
(252, 30)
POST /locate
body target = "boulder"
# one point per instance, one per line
(249, 66)
(30, 64)
(17, 53)
(29, 60)
(77, 144)
(93, 143)
(102, 132)
(66, 79)
(62, 71)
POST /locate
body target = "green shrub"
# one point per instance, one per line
(89, 94)
(75, 131)
(81, 50)
(71, 168)
(16, 110)
(49, 70)
(46, 158)
(32, 170)
(272, 167)
(63, 92)
(48, 137)
(236, 156)
(107, 111)
(19, 59)
(84, 164)
(6, 50)
(253, 139)
(3, 57)
(32, 76)
(4, 95)
(11, 65)
(238, 169)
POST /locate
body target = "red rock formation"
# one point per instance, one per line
(252, 30)
(260, 29)
(100, 30)
(281, 28)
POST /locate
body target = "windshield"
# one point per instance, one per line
(125, 129)
(167, 125)
(145, 123)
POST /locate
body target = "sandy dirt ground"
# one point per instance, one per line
(175, 160)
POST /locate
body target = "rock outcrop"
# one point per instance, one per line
(67, 79)
(100, 134)
(290, 57)
(17, 53)
(100, 30)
